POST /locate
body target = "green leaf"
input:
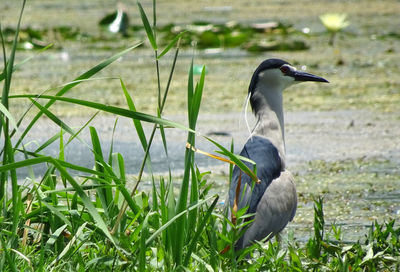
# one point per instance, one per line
(104, 194)
(52, 117)
(143, 247)
(199, 230)
(87, 202)
(9, 116)
(203, 262)
(235, 159)
(57, 213)
(138, 125)
(75, 82)
(111, 109)
(194, 197)
(173, 219)
(9, 65)
(147, 27)
(69, 246)
(54, 236)
(171, 44)
(171, 212)
(196, 101)
(181, 224)
(190, 89)
(71, 189)
(17, 66)
(164, 140)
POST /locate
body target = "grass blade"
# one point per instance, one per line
(52, 117)
(17, 66)
(164, 140)
(86, 200)
(235, 159)
(147, 27)
(8, 115)
(173, 219)
(143, 237)
(171, 44)
(112, 109)
(190, 90)
(137, 124)
(199, 231)
(55, 235)
(189, 157)
(104, 194)
(8, 156)
(77, 81)
(121, 172)
(171, 212)
(68, 247)
(88, 204)
(57, 213)
(110, 153)
(194, 197)
(196, 101)
(10, 63)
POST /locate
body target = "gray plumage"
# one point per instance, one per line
(274, 200)
(266, 157)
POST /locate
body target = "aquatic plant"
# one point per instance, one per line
(334, 23)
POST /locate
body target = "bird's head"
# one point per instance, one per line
(279, 74)
(271, 77)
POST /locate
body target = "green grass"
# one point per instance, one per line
(92, 222)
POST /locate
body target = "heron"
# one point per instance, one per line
(272, 201)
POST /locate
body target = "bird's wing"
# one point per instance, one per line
(275, 209)
(266, 157)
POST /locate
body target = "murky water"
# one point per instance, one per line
(309, 136)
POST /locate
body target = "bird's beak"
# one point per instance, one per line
(303, 76)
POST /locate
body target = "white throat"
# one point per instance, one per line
(269, 110)
(270, 113)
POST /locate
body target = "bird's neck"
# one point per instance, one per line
(269, 113)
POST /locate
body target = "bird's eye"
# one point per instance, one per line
(285, 69)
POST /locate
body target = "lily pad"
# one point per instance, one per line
(236, 38)
(264, 27)
(208, 39)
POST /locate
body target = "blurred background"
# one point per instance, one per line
(230, 37)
